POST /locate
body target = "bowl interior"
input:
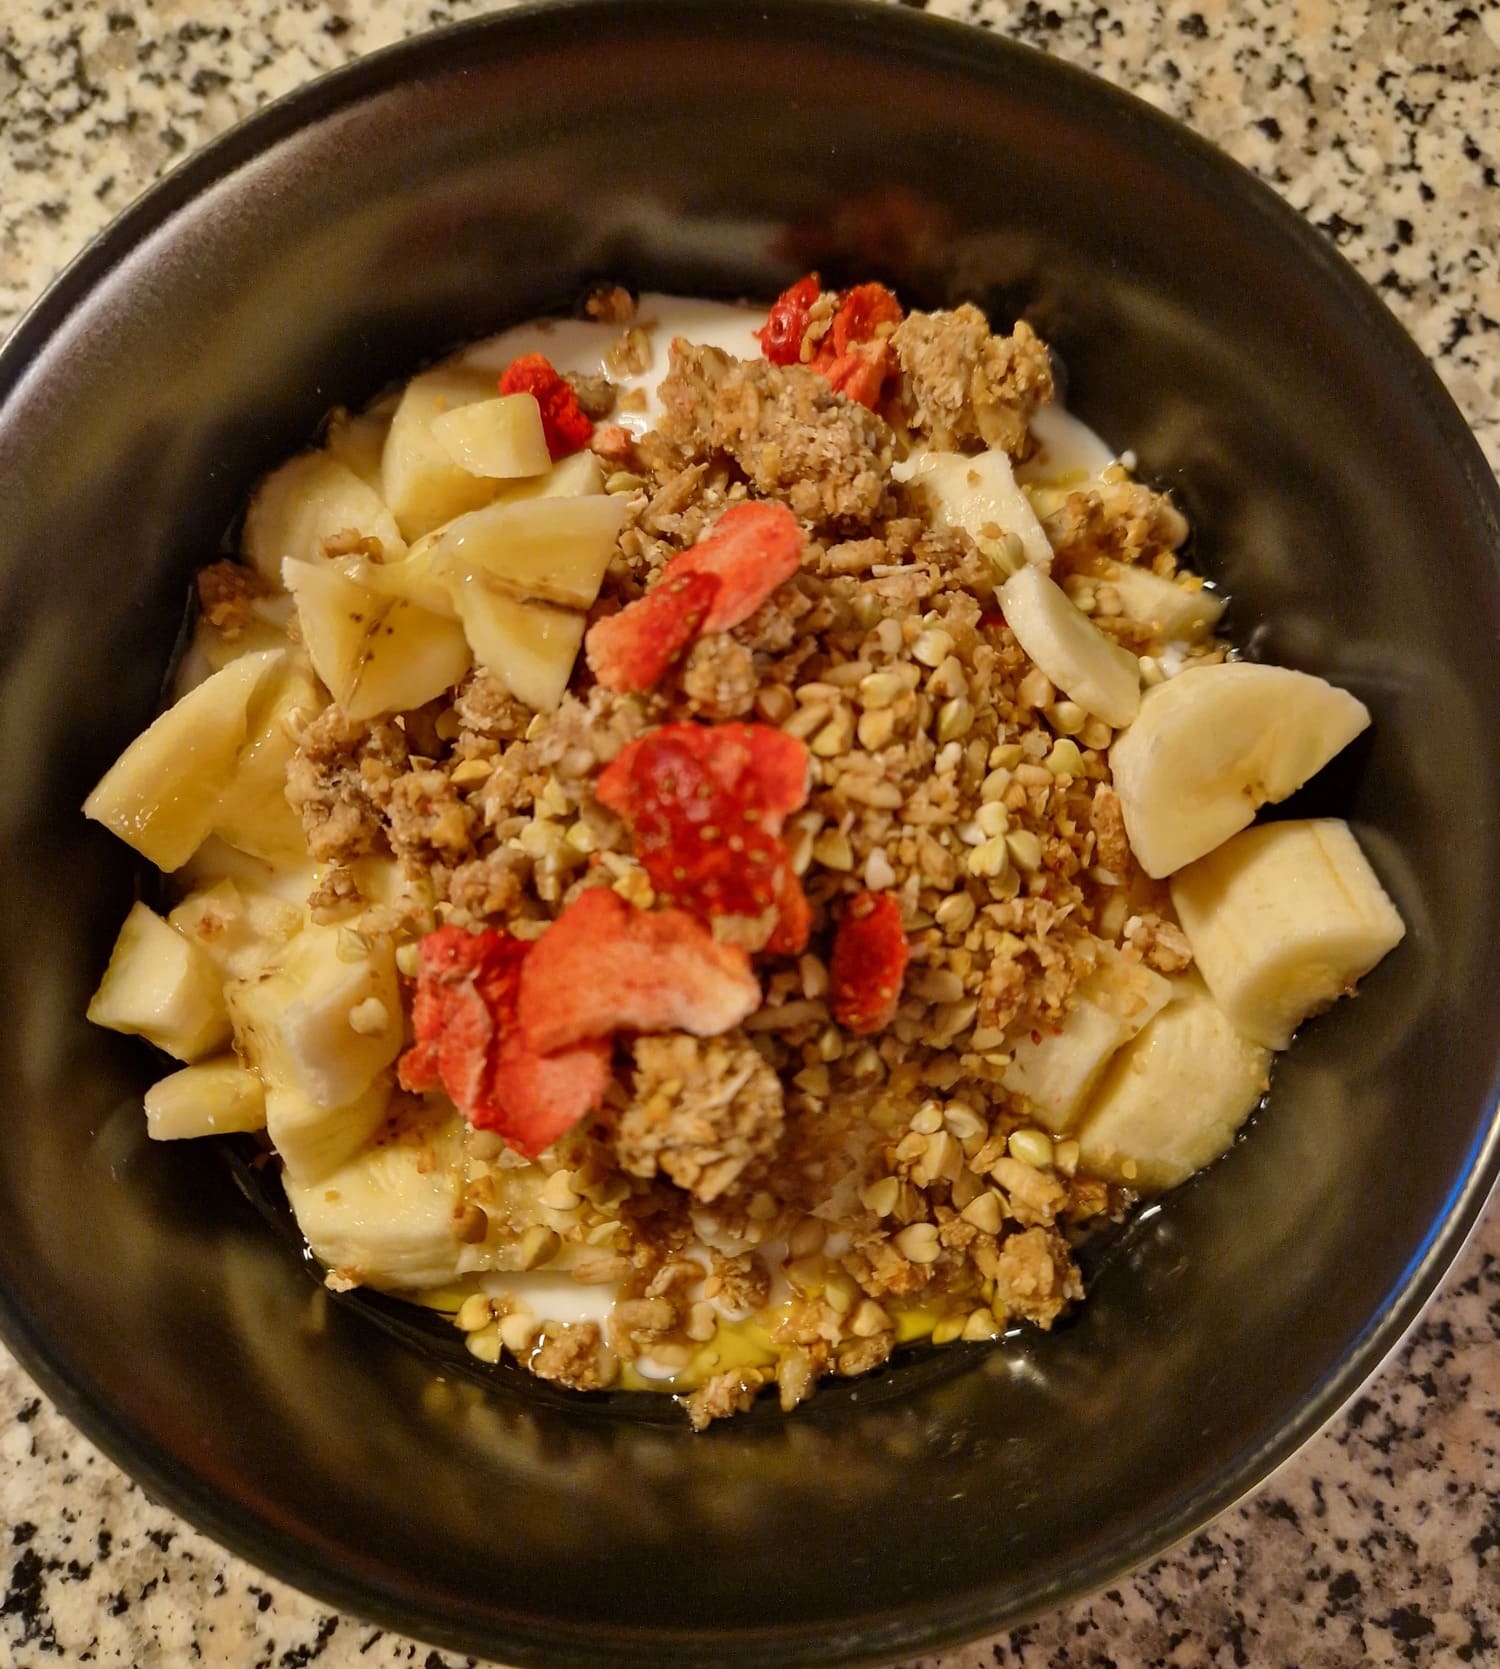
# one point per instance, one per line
(471, 180)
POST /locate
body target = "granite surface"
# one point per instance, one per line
(1380, 1543)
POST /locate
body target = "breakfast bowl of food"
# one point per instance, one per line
(751, 895)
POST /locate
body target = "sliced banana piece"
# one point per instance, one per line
(412, 656)
(1213, 745)
(253, 811)
(387, 1217)
(1283, 920)
(336, 617)
(554, 550)
(1057, 1071)
(1086, 666)
(161, 986)
(162, 795)
(314, 1140)
(1174, 611)
(500, 439)
(377, 654)
(979, 495)
(212, 651)
(216, 1098)
(575, 476)
(529, 647)
(421, 483)
(239, 929)
(1173, 1099)
(415, 579)
(324, 1018)
(357, 440)
(310, 499)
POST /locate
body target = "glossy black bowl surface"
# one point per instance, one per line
(472, 178)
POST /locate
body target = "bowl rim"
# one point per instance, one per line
(970, 55)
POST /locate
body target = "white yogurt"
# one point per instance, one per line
(1065, 446)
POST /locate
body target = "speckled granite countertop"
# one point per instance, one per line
(1380, 1544)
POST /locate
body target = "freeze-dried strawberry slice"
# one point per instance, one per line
(860, 373)
(565, 424)
(781, 335)
(468, 1040)
(750, 550)
(705, 804)
(632, 649)
(856, 325)
(604, 966)
(703, 773)
(861, 312)
(541, 1097)
(869, 962)
(457, 972)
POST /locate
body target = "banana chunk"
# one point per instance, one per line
(214, 1098)
(550, 549)
(1172, 610)
(1085, 665)
(979, 495)
(529, 647)
(1173, 1100)
(253, 813)
(310, 499)
(1283, 920)
(376, 653)
(421, 483)
(1213, 745)
(1058, 1071)
(240, 930)
(161, 986)
(162, 795)
(501, 438)
(324, 1019)
(388, 1217)
(314, 1140)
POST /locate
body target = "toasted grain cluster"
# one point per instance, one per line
(894, 1172)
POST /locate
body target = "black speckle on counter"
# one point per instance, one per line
(25, 1600)
(1407, 1623)
(298, 1657)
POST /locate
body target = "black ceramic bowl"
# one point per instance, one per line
(436, 192)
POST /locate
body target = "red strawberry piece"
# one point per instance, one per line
(541, 1097)
(751, 549)
(632, 649)
(564, 422)
(781, 336)
(468, 1040)
(793, 918)
(869, 962)
(695, 773)
(604, 965)
(860, 373)
(705, 804)
(861, 311)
